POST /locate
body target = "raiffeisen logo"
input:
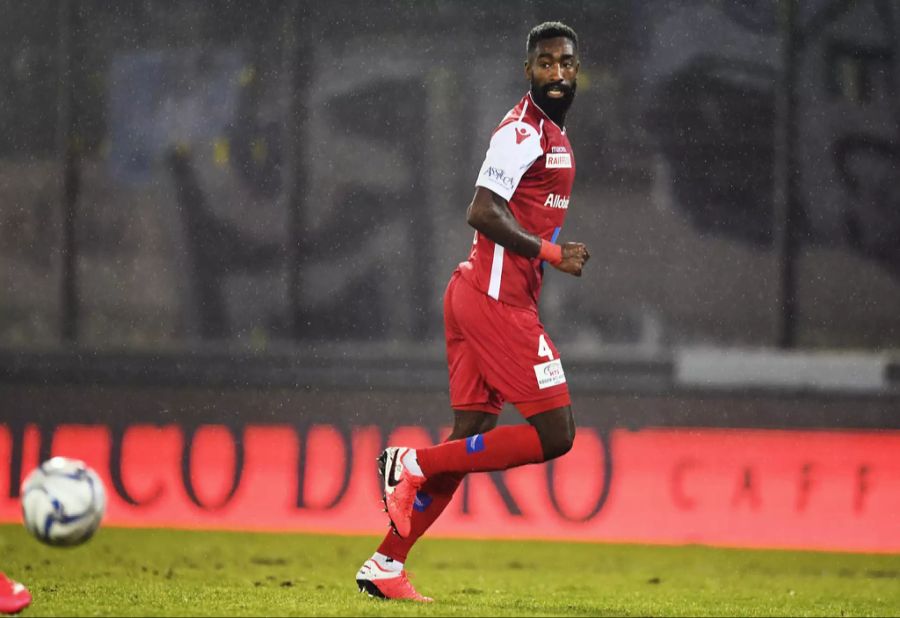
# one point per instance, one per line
(558, 160)
(556, 201)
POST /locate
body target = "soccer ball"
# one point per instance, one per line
(63, 501)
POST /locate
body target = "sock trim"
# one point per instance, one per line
(411, 462)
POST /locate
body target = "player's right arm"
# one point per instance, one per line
(514, 147)
(489, 213)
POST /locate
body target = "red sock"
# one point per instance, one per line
(498, 449)
(431, 501)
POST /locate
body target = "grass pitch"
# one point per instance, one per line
(166, 572)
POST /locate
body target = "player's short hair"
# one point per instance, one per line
(549, 30)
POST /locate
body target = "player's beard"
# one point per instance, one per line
(555, 108)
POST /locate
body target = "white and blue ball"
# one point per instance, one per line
(63, 501)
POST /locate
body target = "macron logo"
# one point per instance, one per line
(522, 134)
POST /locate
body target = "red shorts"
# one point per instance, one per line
(497, 352)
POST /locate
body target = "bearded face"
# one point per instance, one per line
(554, 98)
(552, 70)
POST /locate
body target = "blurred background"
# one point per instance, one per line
(175, 175)
(220, 215)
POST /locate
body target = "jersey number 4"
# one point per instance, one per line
(544, 349)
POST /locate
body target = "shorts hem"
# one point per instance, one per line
(476, 407)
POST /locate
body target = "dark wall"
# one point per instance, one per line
(267, 173)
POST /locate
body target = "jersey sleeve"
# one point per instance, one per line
(514, 147)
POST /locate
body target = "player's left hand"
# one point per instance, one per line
(574, 257)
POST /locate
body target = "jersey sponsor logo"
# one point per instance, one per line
(522, 134)
(558, 149)
(549, 374)
(557, 201)
(499, 176)
(558, 160)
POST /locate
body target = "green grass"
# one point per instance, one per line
(166, 572)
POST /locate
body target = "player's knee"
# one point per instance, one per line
(556, 430)
(556, 448)
(567, 441)
(559, 443)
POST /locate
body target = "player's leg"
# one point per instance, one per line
(476, 408)
(556, 430)
(437, 491)
(548, 434)
(475, 444)
(515, 357)
(383, 575)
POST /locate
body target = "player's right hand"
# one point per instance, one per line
(574, 256)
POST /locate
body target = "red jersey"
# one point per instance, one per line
(529, 164)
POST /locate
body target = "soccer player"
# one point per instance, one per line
(497, 349)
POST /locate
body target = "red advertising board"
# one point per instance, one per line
(835, 490)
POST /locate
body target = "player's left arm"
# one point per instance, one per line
(489, 213)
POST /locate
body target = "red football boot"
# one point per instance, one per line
(399, 489)
(384, 584)
(14, 597)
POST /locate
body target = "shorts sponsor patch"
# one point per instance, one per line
(549, 374)
(475, 444)
(558, 160)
